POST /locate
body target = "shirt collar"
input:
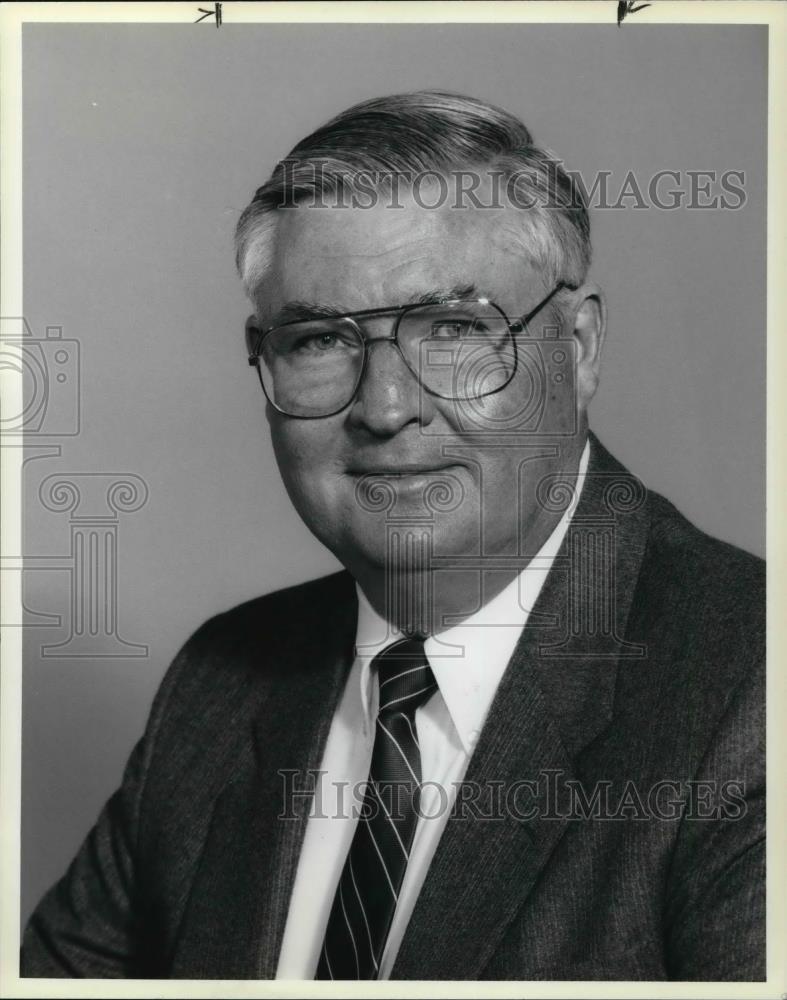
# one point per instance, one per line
(469, 659)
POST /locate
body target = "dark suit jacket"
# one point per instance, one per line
(188, 871)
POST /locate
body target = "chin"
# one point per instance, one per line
(406, 546)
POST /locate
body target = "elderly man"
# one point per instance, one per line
(520, 736)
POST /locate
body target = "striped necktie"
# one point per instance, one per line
(368, 889)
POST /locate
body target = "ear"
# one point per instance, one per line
(589, 312)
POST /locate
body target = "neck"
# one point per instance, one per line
(430, 603)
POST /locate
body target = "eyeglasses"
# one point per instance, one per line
(457, 349)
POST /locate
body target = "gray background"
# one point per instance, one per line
(141, 146)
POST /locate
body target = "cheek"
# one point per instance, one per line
(537, 402)
(305, 454)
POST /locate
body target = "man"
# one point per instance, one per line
(520, 737)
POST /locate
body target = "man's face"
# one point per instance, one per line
(357, 259)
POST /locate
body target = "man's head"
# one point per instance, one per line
(439, 201)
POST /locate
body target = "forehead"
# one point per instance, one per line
(359, 258)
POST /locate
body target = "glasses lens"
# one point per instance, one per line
(311, 369)
(460, 350)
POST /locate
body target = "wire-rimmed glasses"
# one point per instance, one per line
(457, 349)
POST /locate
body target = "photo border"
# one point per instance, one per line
(12, 19)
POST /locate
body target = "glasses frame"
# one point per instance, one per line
(255, 340)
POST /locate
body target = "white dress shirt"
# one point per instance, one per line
(468, 661)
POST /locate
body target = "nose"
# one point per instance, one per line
(389, 397)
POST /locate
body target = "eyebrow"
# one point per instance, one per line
(298, 309)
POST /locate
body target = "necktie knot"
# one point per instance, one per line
(405, 678)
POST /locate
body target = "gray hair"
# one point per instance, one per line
(429, 131)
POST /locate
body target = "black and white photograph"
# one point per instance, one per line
(386, 403)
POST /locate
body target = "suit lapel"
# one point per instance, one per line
(240, 896)
(291, 741)
(555, 698)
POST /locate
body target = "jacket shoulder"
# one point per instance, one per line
(223, 668)
(717, 578)
(698, 611)
(275, 619)
(686, 579)
(226, 669)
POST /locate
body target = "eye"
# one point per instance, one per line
(325, 341)
(451, 329)
(322, 341)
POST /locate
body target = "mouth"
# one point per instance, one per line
(438, 488)
(401, 471)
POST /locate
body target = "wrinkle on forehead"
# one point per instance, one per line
(382, 228)
(407, 247)
(371, 258)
